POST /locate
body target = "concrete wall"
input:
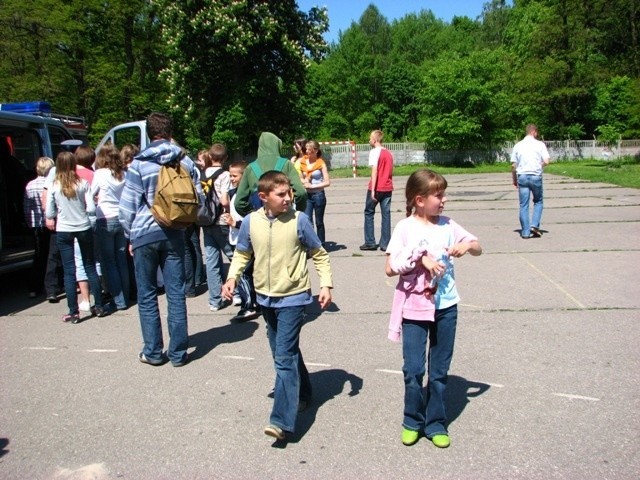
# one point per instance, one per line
(414, 153)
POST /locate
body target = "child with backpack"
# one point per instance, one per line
(216, 235)
(155, 245)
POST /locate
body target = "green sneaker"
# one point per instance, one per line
(441, 441)
(409, 437)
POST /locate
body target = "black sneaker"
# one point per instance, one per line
(52, 298)
(100, 312)
(246, 315)
(368, 247)
(535, 232)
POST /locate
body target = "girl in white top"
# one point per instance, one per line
(69, 204)
(106, 188)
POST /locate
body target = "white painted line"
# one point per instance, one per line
(468, 305)
(576, 397)
(102, 350)
(384, 370)
(317, 364)
(497, 385)
(555, 284)
(39, 348)
(237, 357)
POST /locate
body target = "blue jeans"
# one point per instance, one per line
(190, 261)
(530, 186)
(292, 378)
(168, 255)
(316, 203)
(424, 409)
(113, 253)
(216, 242)
(199, 273)
(64, 241)
(384, 199)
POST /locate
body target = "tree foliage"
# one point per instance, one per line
(238, 63)
(228, 69)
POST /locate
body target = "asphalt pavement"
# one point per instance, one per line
(545, 380)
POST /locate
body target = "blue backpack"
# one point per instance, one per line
(254, 199)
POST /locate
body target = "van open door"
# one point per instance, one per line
(134, 133)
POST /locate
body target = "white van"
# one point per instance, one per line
(23, 139)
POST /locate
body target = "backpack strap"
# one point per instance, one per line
(280, 164)
(257, 171)
(213, 177)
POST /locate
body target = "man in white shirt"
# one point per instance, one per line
(528, 158)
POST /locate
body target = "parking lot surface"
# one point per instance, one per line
(545, 380)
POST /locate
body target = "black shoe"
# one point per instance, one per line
(182, 363)
(368, 246)
(100, 312)
(303, 404)
(246, 315)
(535, 232)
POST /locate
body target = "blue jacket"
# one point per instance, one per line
(140, 185)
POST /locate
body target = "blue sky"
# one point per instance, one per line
(343, 12)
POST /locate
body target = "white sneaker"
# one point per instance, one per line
(84, 306)
(237, 300)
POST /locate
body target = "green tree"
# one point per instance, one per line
(462, 101)
(231, 57)
(91, 58)
(616, 109)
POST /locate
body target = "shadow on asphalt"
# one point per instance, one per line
(206, 341)
(327, 385)
(3, 444)
(313, 310)
(334, 247)
(459, 391)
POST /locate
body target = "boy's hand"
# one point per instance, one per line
(435, 268)
(228, 288)
(325, 297)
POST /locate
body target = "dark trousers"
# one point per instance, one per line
(53, 281)
(41, 238)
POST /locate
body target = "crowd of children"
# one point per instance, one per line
(268, 249)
